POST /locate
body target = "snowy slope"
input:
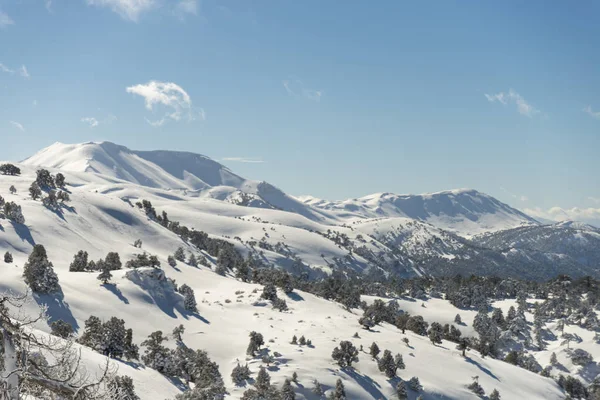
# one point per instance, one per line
(101, 217)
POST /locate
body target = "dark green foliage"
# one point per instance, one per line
(240, 374)
(8, 258)
(9, 169)
(345, 354)
(44, 179)
(61, 329)
(387, 365)
(39, 273)
(122, 388)
(80, 262)
(287, 392)
(34, 191)
(374, 350)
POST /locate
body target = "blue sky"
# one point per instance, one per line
(336, 98)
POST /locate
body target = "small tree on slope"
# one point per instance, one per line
(39, 273)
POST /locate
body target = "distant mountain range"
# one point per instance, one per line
(449, 232)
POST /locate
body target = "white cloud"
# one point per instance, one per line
(594, 199)
(295, 87)
(593, 114)
(523, 107)
(23, 72)
(5, 20)
(186, 7)
(4, 68)
(127, 9)
(91, 121)
(48, 5)
(17, 125)
(243, 160)
(169, 96)
(514, 196)
(588, 215)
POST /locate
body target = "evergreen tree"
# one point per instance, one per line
(240, 374)
(13, 212)
(374, 350)
(295, 377)
(269, 292)
(44, 179)
(61, 329)
(553, 359)
(10, 169)
(457, 319)
(80, 262)
(156, 355)
(401, 391)
(122, 388)
(294, 340)
(34, 191)
(189, 301)
(59, 179)
(345, 354)
(113, 338)
(495, 395)
(476, 388)
(193, 261)
(256, 340)
(340, 391)
(113, 261)
(8, 258)
(317, 388)
(387, 365)
(263, 380)
(12, 189)
(179, 254)
(105, 276)
(302, 341)
(178, 332)
(171, 261)
(399, 361)
(39, 273)
(93, 333)
(436, 333)
(287, 392)
(414, 384)
(131, 349)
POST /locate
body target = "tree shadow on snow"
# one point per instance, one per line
(366, 382)
(111, 287)
(24, 233)
(295, 296)
(482, 368)
(57, 308)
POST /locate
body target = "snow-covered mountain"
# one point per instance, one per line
(463, 211)
(105, 181)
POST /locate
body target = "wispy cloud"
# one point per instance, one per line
(127, 9)
(184, 7)
(4, 68)
(91, 121)
(169, 96)
(17, 125)
(515, 196)
(594, 199)
(592, 113)
(523, 107)
(5, 20)
(48, 5)
(243, 160)
(588, 215)
(295, 87)
(23, 72)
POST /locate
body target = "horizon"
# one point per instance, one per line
(408, 100)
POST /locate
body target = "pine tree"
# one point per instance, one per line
(302, 341)
(59, 179)
(93, 333)
(436, 333)
(401, 391)
(553, 359)
(189, 301)
(12, 189)
(414, 384)
(39, 273)
(269, 292)
(178, 332)
(80, 262)
(8, 258)
(476, 388)
(131, 349)
(263, 380)
(193, 261)
(34, 191)
(44, 179)
(345, 354)
(317, 388)
(61, 329)
(105, 276)
(113, 338)
(340, 392)
(113, 261)
(171, 261)
(294, 340)
(399, 361)
(256, 340)
(13, 212)
(295, 377)
(122, 387)
(287, 392)
(457, 319)
(156, 355)
(387, 365)
(495, 395)
(179, 254)
(374, 350)
(240, 374)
